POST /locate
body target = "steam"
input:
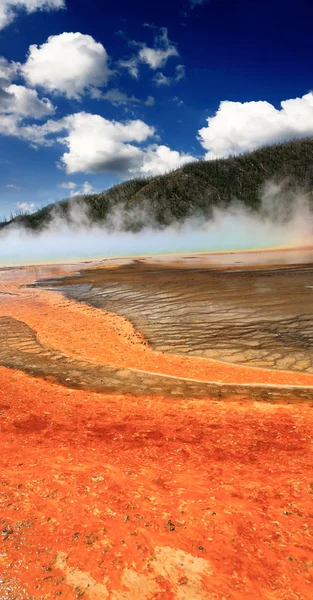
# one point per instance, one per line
(284, 219)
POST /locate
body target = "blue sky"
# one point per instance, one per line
(92, 93)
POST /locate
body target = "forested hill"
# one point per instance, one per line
(193, 189)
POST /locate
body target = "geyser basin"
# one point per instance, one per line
(258, 317)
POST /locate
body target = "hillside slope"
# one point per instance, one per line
(195, 188)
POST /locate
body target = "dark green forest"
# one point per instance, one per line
(194, 189)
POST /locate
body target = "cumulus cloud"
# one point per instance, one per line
(155, 57)
(160, 159)
(70, 64)
(27, 207)
(67, 185)
(38, 135)
(19, 100)
(241, 127)
(8, 70)
(9, 125)
(97, 145)
(10, 8)
(24, 102)
(85, 190)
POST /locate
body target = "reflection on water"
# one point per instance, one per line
(251, 258)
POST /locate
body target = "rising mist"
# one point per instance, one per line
(282, 220)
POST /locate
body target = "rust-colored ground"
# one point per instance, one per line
(122, 497)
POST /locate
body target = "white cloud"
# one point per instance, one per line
(67, 185)
(150, 101)
(70, 64)
(160, 159)
(161, 79)
(9, 125)
(8, 70)
(180, 73)
(117, 97)
(27, 207)
(85, 190)
(17, 99)
(102, 147)
(131, 64)
(24, 102)
(158, 56)
(40, 135)
(155, 58)
(12, 186)
(241, 127)
(96, 144)
(16, 104)
(10, 8)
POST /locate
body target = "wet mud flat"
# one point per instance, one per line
(256, 317)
